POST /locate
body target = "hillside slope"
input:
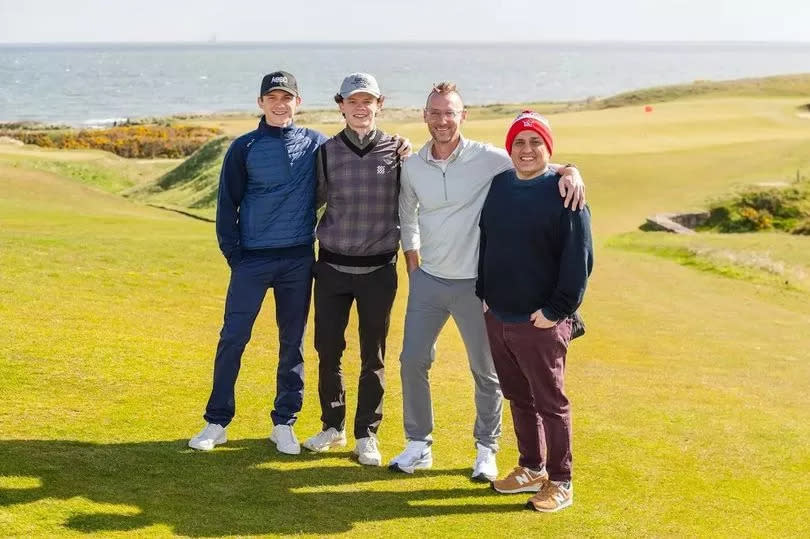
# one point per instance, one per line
(193, 184)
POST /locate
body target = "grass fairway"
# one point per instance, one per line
(688, 392)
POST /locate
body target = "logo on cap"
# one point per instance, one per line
(279, 79)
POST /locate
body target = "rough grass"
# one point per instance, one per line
(689, 391)
(768, 258)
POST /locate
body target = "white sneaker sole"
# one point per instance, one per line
(483, 477)
(207, 446)
(368, 461)
(528, 488)
(567, 503)
(421, 464)
(325, 448)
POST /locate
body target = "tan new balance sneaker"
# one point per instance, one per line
(520, 480)
(554, 495)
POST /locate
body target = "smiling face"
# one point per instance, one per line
(529, 154)
(279, 107)
(444, 113)
(360, 110)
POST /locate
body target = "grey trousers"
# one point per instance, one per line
(431, 301)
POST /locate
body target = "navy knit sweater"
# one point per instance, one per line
(535, 253)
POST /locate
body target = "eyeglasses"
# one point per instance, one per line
(436, 115)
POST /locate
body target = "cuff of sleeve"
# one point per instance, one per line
(234, 256)
(551, 315)
(409, 245)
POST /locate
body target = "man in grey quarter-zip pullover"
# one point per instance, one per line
(443, 189)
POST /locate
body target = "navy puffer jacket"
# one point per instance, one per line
(266, 194)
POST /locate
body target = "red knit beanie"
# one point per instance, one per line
(534, 122)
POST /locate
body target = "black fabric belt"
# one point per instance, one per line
(295, 251)
(356, 261)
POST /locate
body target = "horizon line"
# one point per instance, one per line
(417, 42)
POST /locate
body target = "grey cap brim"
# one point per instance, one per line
(358, 90)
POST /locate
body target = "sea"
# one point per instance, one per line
(98, 84)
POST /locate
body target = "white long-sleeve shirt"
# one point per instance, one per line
(439, 209)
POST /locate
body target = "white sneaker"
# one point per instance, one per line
(208, 438)
(285, 439)
(367, 451)
(326, 440)
(417, 456)
(485, 468)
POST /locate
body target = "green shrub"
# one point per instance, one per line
(756, 219)
(761, 208)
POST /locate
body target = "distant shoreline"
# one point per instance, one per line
(347, 43)
(790, 85)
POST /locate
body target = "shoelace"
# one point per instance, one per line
(551, 491)
(210, 431)
(323, 437)
(518, 471)
(369, 445)
(414, 452)
(287, 436)
(481, 458)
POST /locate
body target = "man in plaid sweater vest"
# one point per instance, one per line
(358, 180)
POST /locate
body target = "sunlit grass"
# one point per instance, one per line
(688, 392)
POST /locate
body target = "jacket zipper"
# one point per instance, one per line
(444, 181)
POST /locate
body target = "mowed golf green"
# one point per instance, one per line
(689, 391)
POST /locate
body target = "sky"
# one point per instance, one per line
(50, 21)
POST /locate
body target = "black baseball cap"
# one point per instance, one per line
(279, 80)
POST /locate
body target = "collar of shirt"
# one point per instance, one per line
(452, 157)
(355, 138)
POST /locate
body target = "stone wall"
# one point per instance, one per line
(677, 223)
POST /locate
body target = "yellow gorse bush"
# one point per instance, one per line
(139, 141)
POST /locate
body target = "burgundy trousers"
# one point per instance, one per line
(531, 365)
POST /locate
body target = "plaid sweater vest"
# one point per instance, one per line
(361, 220)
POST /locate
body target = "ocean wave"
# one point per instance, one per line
(103, 122)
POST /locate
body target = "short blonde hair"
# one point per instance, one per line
(443, 88)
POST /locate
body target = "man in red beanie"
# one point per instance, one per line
(534, 261)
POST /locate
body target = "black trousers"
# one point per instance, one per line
(335, 291)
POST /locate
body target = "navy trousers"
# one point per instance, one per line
(291, 281)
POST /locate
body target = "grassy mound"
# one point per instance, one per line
(193, 184)
(777, 86)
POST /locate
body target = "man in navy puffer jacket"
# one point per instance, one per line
(265, 224)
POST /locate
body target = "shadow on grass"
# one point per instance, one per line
(244, 488)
